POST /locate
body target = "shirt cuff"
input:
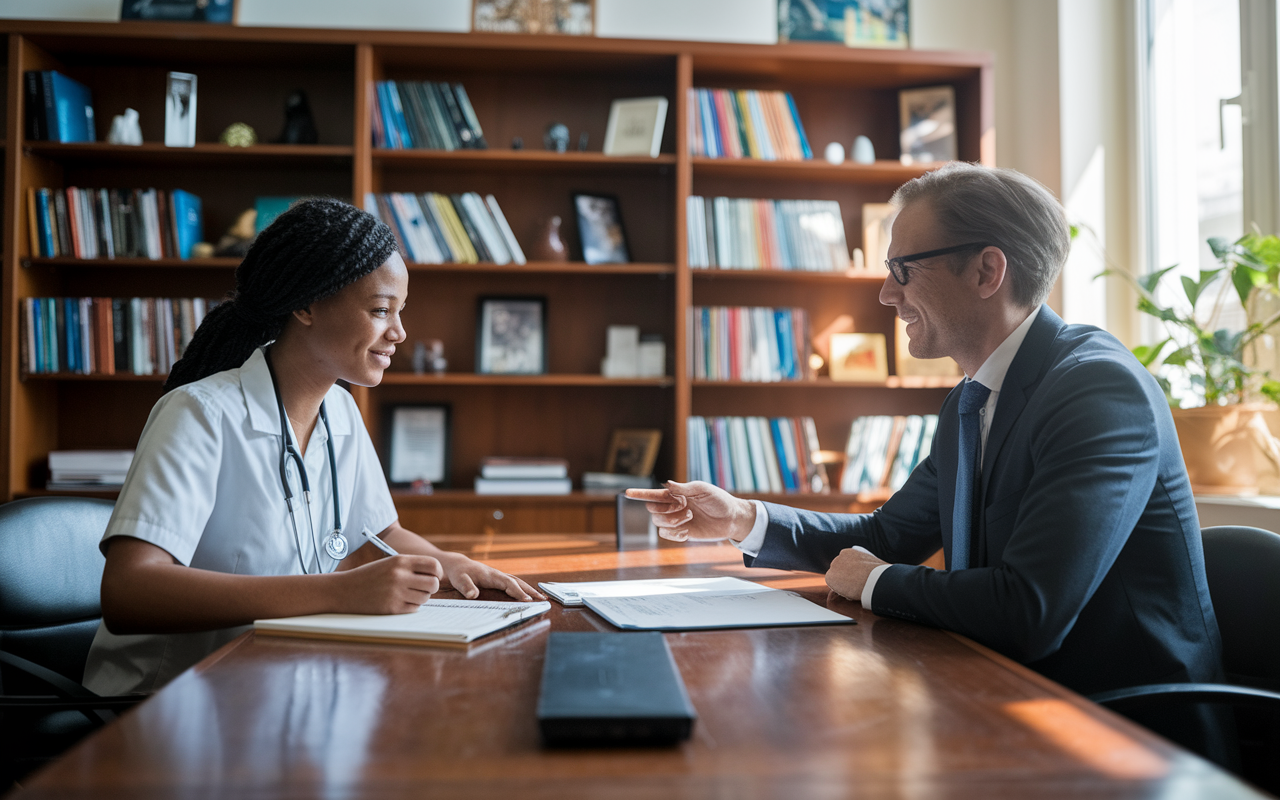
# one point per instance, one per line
(755, 540)
(870, 586)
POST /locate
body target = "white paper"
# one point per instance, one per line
(674, 612)
(417, 445)
(438, 620)
(572, 594)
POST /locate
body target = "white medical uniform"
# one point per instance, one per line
(205, 487)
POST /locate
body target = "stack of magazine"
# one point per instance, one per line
(425, 114)
(883, 450)
(509, 475)
(739, 233)
(434, 228)
(88, 470)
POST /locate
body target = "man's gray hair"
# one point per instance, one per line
(1005, 208)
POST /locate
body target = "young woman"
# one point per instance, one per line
(255, 482)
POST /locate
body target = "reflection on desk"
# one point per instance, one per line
(883, 708)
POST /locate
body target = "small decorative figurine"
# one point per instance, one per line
(863, 151)
(834, 154)
(239, 134)
(201, 250)
(235, 242)
(299, 125)
(549, 246)
(556, 138)
(517, 143)
(125, 129)
(583, 138)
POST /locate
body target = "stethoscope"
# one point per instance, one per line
(335, 544)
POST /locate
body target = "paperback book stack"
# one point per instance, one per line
(739, 233)
(739, 343)
(434, 228)
(727, 123)
(501, 475)
(425, 114)
(59, 109)
(114, 223)
(882, 451)
(88, 470)
(756, 454)
(106, 335)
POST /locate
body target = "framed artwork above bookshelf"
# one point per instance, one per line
(518, 85)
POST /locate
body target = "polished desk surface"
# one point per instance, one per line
(883, 708)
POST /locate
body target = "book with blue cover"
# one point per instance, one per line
(61, 108)
(188, 214)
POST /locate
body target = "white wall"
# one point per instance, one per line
(92, 10)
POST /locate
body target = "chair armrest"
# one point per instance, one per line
(69, 694)
(55, 703)
(1171, 694)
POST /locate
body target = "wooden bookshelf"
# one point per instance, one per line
(518, 85)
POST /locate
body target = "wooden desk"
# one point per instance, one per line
(883, 708)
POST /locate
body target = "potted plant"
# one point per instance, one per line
(1226, 442)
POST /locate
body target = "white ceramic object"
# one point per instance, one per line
(863, 151)
(125, 128)
(834, 153)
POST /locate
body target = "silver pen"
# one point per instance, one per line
(378, 543)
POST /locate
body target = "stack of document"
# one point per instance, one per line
(506, 475)
(681, 604)
(438, 621)
(88, 469)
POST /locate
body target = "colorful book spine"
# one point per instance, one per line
(103, 335)
(882, 451)
(433, 115)
(762, 345)
(743, 233)
(755, 455)
(746, 123)
(114, 223)
(465, 228)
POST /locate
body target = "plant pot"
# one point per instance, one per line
(1229, 449)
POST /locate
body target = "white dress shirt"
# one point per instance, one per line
(990, 374)
(205, 487)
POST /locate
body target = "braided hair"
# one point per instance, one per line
(310, 252)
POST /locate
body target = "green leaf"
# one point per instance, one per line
(1148, 307)
(1271, 391)
(1245, 278)
(1194, 289)
(1179, 357)
(1075, 231)
(1148, 354)
(1220, 246)
(1149, 281)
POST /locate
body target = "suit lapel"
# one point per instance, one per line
(1023, 373)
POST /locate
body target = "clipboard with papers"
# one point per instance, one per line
(682, 604)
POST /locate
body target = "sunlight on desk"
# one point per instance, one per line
(1098, 746)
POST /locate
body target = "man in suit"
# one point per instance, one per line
(1055, 486)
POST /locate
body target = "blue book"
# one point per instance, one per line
(784, 464)
(786, 344)
(42, 223)
(189, 214)
(397, 116)
(795, 115)
(71, 311)
(268, 209)
(68, 109)
(33, 305)
(389, 132)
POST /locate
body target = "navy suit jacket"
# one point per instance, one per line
(1087, 563)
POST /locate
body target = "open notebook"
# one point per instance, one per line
(438, 621)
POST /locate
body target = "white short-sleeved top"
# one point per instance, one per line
(205, 486)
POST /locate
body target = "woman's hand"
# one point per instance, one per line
(392, 585)
(469, 577)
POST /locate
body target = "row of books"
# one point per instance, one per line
(739, 343)
(756, 454)
(105, 335)
(746, 123)
(882, 451)
(59, 109)
(114, 223)
(742, 233)
(88, 470)
(424, 114)
(434, 228)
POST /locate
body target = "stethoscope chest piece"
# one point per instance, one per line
(335, 544)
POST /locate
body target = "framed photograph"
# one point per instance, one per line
(856, 23)
(600, 229)
(216, 11)
(928, 118)
(633, 451)
(858, 357)
(417, 444)
(511, 336)
(180, 110)
(635, 127)
(559, 17)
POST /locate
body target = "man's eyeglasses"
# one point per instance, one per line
(898, 266)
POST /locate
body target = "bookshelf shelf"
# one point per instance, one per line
(118, 377)
(548, 268)
(892, 382)
(117, 263)
(468, 379)
(519, 160)
(448, 496)
(203, 154)
(816, 170)
(858, 277)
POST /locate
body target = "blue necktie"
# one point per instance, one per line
(973, 397)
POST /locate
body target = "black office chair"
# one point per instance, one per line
(50, 583)
(1243, 569)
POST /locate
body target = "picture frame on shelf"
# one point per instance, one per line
(635, 127)
(600, 229)
(856, 23)
(633, 451)
(928, 120)
(417, 441)
(511, 335)
(180, 110)
(859, 357)
(221, 12)
(555, 17)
